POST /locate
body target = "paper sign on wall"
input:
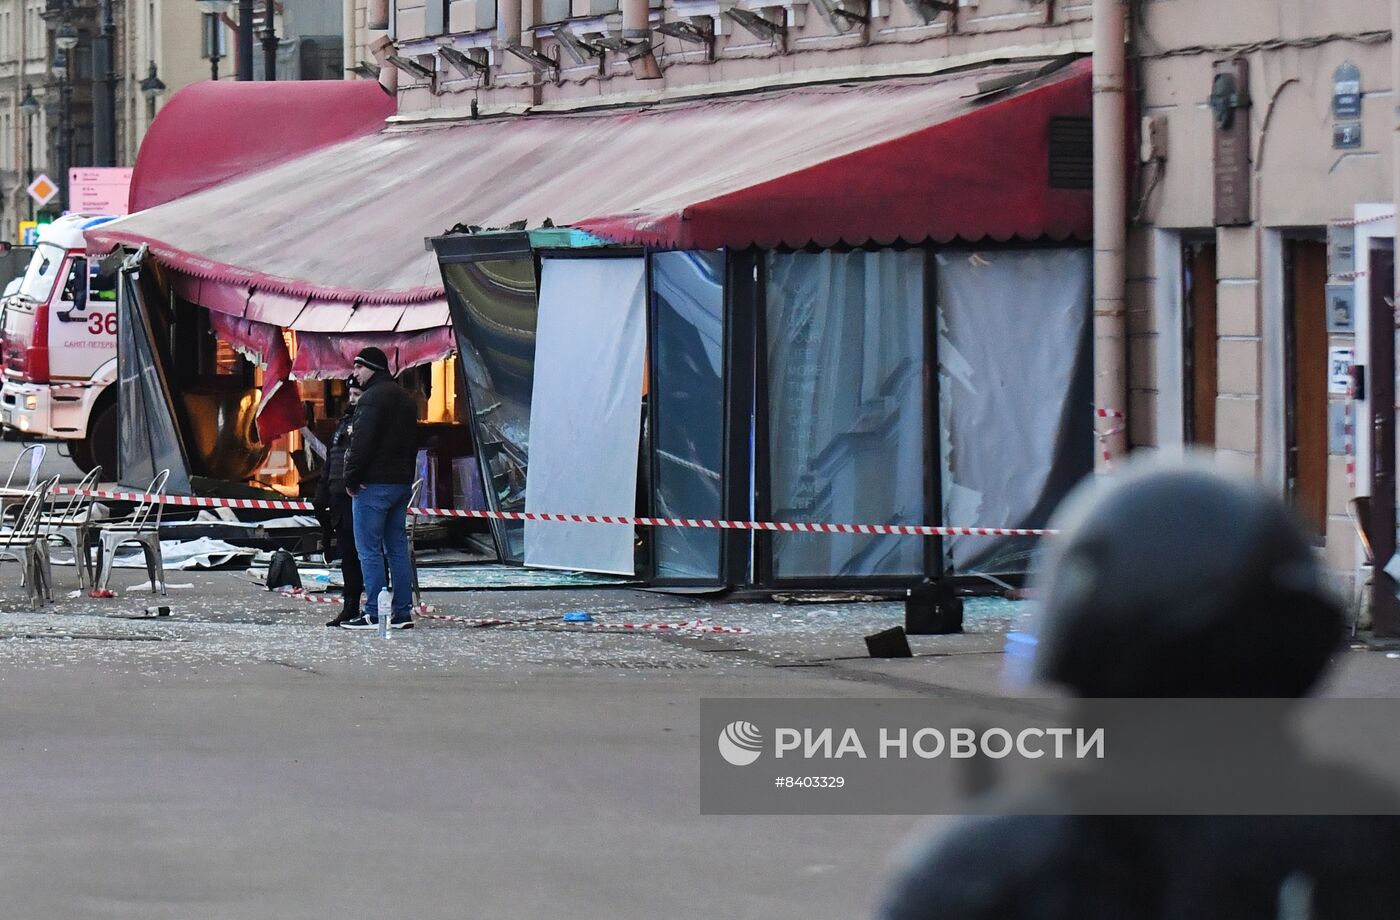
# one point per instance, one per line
(1339, 361)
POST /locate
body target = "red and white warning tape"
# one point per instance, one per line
(1347, 440)
(426, 611)
(687, 626)
(258, 504)
(188, 501)
(699, 626)
(915, 530)
(1365, 220)
(1104, 436)
(467, 621)
(302, 595)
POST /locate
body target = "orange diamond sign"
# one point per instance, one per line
(42, 189)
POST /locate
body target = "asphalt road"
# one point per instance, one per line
(239, 760)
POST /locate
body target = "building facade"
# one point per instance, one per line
(579, 53)
(1264, 134)
(1257, 156)
(1235, 341)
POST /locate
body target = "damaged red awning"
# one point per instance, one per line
(212, 131)
(931, 158)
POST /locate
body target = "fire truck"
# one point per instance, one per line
(59, 347)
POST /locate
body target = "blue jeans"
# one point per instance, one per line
(380, 512)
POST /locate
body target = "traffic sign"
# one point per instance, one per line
(42, 189)
(28, 233)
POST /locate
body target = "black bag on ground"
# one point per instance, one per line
(282, 571)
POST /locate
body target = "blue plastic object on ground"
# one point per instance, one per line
(1020, 656)
(577, 616)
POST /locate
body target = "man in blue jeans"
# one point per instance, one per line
(379, 471)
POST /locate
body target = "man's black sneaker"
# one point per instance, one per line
(360, 622)
(343, 617)
(404, 623)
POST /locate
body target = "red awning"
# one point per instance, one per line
(931, 158)
(213, 131)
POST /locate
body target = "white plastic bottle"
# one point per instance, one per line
(386, 602)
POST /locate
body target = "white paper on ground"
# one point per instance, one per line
(204, 553)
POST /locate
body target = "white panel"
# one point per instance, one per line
(1170, 344)
(1014, 392)
(586, 412)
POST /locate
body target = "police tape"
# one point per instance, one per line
(300, 594)
(258, 504)
(428, 611)
(1376, 219)
(695, 626)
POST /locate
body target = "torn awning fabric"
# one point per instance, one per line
(279, 411)
(912, 159)
(328, 332)
(320, 355)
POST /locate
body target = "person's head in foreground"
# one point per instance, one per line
(1176, 581)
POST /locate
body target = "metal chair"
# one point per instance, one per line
(13, 495)
(142, 529)
(27, 542)
(70, 524)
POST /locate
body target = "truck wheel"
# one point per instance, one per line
(100, 445)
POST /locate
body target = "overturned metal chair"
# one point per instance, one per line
(142, 529)
(27, 542)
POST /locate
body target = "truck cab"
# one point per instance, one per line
(59, 347)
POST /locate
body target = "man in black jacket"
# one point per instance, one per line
(379, 476)
(334, 507)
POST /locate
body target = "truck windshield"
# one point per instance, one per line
(43, 268)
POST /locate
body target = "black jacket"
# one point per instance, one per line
(332, 484)
(384, 439)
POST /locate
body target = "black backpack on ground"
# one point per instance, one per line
(282, 571)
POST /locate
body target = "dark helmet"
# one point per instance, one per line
(1178, 582)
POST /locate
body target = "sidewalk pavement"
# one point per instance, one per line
(823, 639)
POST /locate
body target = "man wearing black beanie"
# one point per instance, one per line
(379, 476)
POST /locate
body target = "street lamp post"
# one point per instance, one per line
(245, 39)
(151, 88)
(269, 40)
(214, 11)
(65, 115)
(30, 107)
(104, 102)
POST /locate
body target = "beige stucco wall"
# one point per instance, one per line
(1300, 185)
